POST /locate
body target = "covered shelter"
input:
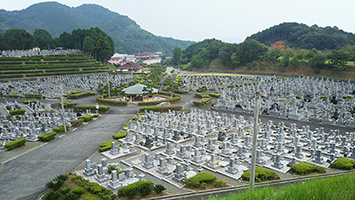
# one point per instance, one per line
(135, 92)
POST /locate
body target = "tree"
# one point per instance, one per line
(99, 44)
(250, 50)
(78, 37)
(65, 40)
(177, 55)
(225, 54)
(43, 39)
(337, 59)
(18, 39)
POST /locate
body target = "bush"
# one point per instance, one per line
(79, 191)
(60, 129)
(71, 196)
(159, 188)
(64, 190)
(76, 92)
(306, 168)
(86, 118)
(203, 101)
(134, 186)
(102, 109)
(196, 181)
(145, 189)
(219, 184)
(130, 193)
(80, 94)
(77, 123)
(107, 146)
(47, 137)
(54, 184)
(96, 115)
(125, 125)
(119, 135)
(111, 102)
(261, 175)
(68, 103)
(17, 112)
(298, 96)
(343, 163)
(160, 108)
(216, 95)
(15, 144)
(181, 91)
(52, 195)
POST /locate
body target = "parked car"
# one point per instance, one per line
(164, 104)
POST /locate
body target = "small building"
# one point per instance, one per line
(135, 92)
(129, 67)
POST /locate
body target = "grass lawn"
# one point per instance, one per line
(337, 188)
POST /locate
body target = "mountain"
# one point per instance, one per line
(305, 37)
(58, 18)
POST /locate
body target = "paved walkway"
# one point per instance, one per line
(25, 176)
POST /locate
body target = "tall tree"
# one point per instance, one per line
(177, 55)
(18, 39)
(78, 36)
(66, 40)
(99, 44)
(43, 39)
(250, 50)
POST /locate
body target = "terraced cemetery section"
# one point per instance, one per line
(51, 65)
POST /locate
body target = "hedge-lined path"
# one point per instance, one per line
(25, 177)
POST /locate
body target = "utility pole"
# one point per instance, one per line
(255, 137)
(63, 111)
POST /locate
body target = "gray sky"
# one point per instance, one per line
(227, 20)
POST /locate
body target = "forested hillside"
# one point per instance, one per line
(301, 36)
(57, 18)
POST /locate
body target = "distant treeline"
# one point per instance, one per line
(252, 53)
(94, 41)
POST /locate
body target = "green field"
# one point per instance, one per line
(337, 188)
(52, 65)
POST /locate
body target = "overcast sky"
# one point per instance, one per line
(227, 20)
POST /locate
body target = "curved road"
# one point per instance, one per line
(25, 177)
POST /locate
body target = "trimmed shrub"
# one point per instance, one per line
(60, 129)
(203, 101)
(77, 123)
(68, 103)
(219, 184)
(86, 118)
(119, 135)
(181, 91)
(200, 178)
(79, 95)
(111, 102)
(107, 146)
(159, 188)
(28, 101)
(15, 144)
(96, 115)
(215, 95)
(343, 163)
(76, 92)
(261, 175)
(17, 112)
(134, 186)
(47, 137)
(306, 168)
(79, 190)
(125, 125)
(160, 108)
(298, 96)
(102, 109)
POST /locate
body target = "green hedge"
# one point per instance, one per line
(119, 135)
(306, 168)
(107, 146)
(17, 112)
(111, 102)
(60, 129)
(200, 178)
(181, 91)
(94, 188)
(160, 108)
(102, 109)
(15, 144)
(86, 118)
(80, 94)
(47, 137)
(75, 92)
(203, 101)
(343, 163)
(34, 96)
(261, 175)
(134, 186)
(28, 101)
(216, 95)
(12, 76)
(77, 123)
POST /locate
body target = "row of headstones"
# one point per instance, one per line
(30, 52)
(92, 81)
(116, 181)
(33, 125)
(23, 88)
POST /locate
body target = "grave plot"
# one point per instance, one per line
(30, 126)
(312, 99)
(91, 82)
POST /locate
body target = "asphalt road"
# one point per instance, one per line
(25, 177)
